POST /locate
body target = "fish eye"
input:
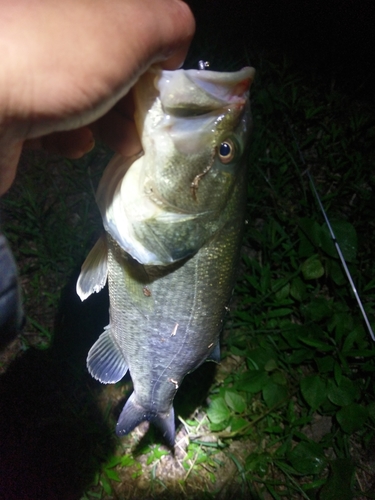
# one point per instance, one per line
(226, 151)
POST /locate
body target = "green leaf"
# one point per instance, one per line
(279, 312)
(219, 427)
(346, 236)
(312, 268)
(355, 335)
(291, 334)
(273, 394)
(343, 394)
(127, 461)
(335, 271)
(106, 485)
(307, 458)
(283, 293)
(310, 230)
(218, 411)
(238, 423)
(352, 418)
(339, 481)
(112, 474)
(314, 390)
(270, 366)
(337, 371)
(260, 356)
(113, 461)
(258, 462)
(318, 309)
(252, 381)
(305, 248)
(158, 452)
(342, 323)
(362, 352)
(299, 356)
(325, 364)
(322, 346)
(236, 402)
(237, 352)
(298, 289)
(279, 378)
(371, 410)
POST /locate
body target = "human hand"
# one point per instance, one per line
(66, 68)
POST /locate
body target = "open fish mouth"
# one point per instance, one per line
(204, 90)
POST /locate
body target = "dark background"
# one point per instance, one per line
(332, 38)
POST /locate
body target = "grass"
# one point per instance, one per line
(291, 410)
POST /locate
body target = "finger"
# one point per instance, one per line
(115, 129)
(126, 106)
(177, 40)
(71, 144)
(175, 60)
(118, 132)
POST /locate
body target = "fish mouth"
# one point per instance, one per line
(202, 91)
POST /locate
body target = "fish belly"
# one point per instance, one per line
(167, 321)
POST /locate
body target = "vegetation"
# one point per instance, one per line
(291, 410)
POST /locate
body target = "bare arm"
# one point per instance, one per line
(66, 66)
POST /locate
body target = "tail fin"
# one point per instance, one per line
(133, 414)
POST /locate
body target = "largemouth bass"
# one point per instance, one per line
(173, 218)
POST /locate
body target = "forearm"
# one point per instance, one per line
(65, 64)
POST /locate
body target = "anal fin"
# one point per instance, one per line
(214, 354)
(105, 360)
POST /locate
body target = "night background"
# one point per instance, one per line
(331, 39)
(290, 411)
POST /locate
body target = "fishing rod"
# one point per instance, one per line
(333, 236)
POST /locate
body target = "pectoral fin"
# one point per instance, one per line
(105, 360)
(93, 275)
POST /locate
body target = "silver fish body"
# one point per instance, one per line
(173, 220)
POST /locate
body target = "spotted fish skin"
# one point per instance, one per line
(171, 260)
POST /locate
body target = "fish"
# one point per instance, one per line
(173, 219)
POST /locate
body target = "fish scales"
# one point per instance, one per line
(171, 278)
(193, 295)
